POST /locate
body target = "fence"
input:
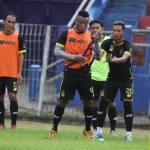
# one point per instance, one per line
(40, 41)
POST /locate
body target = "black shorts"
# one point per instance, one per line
(10, 83)
(111, 88)
(98, 86)
(81, 82)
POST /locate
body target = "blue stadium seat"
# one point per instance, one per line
(125, 10)
(130, 1)
(127, 5)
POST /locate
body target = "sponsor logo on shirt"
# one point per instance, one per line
(74, 40)
(7, 42)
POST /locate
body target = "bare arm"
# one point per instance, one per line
(122, 59)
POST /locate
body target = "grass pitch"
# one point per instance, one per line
(31, 136)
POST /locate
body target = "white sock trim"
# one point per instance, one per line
(128, 133)
(99, 130)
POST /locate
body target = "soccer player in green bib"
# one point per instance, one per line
(99, 72)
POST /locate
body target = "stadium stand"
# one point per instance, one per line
(127, 11)
(45, 11)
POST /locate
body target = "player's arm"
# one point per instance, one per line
(124, 57)
(104, 47)
(22, 49)
(102, 53)
(59, 48)
(98, 50)
(96, 46)
(60, 52)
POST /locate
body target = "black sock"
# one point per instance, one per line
(101, 113)
(112, 113)
(2, 111)
(57, 116)
(88, 117)
(94, 118)
(128, 115)
(13, 111)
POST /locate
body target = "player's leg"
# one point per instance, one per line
(126, 96)
(97, 87)
(94, 114)
(2, 108)
(58, 113)
(12, 87)
(87, 110)
(85, 89)
(67, 92)
(112, 114)
(108, 94)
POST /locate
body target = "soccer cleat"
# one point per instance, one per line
(2, 126)
(128, 138)
(13, 127)
(113, 133)
(88, 134)
(52, 134)
(99, 137)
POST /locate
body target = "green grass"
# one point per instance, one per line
(31, 136)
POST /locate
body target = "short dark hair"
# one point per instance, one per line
(96, 21)
(121, 23)
(10, 13)
(83, 13)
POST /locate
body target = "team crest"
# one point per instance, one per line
(128, 95)
(15, 86)
(129, 92)
(15, 89)
(103, 93)
(62, 93)
(111, 48)
(92, 91)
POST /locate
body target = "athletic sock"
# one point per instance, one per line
(59, 111)
(94, 118)
(128, 133)
(14, 111)
(88, 117)
(112, 114)
(99, 130)
(2, 111)
(128, 115)
(101, 113)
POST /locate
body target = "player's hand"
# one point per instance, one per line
(19, 80)
(98, 58)
(80, 58)
(108, 58)
(96, 35)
